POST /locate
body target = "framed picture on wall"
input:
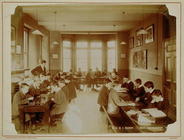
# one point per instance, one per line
(149, 37)
(135, 64)
(138, 39)
(140, 59)
(131, 42)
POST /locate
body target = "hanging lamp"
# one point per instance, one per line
(36, 31)
(142, 31)
(55, 42)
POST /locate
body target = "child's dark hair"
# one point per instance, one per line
(24, 84)
(54, 83)
(138, 81)
(43, 61)
(149, 84)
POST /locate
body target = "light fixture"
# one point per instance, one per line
(123, 43)
(36, 31)
(115, 28)
(55, 42)
(142, 31)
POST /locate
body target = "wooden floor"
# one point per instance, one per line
(82, 117)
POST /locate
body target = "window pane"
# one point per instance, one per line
(111, 59)
(82, 59)
(96, 59)
(96, 44)
(82, 44)
(67, 59)
(66, 53)
(66, 65)
(66, 44)
(111, 54)
(111, 44)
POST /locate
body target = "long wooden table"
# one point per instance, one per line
(33, 109)
(159, 126)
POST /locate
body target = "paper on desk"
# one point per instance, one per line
(154, 112)
(133, 112)
(120, 89)
(128, 103)
(144, 119)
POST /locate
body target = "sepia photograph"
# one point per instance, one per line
(90, 69)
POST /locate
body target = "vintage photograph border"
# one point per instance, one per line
(97, 136)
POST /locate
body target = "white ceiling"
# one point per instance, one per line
(89, 18)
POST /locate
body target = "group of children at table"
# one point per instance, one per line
(145, 94)
(53, 92)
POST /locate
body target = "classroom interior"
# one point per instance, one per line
(70, 37)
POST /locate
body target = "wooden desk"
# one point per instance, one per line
(33, 109)
(160, 124)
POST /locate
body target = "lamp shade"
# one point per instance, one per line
(55, 43)
(123, 43)
(37, 32)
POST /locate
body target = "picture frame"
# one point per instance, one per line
(140, 59)
(149, 37)
(131, 42)
(138, 39)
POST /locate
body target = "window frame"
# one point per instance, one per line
(67, 48)
(115, 51)
(26, 47)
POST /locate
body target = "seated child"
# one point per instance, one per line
(71, 87)
(103, 94)
(129, 85)
(60, 103)
(138, 90)
(21, 97)
(114, 77)
(152, 97)
(114, 101)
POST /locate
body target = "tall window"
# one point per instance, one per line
(82, 55)
(96, 55)
(67, 55)
(26, 46)
(111, 55)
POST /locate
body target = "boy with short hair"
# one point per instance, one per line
(128, 84)
(20, 98)
(139, 89)
(153, 97)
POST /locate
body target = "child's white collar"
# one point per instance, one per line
(152, 90)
